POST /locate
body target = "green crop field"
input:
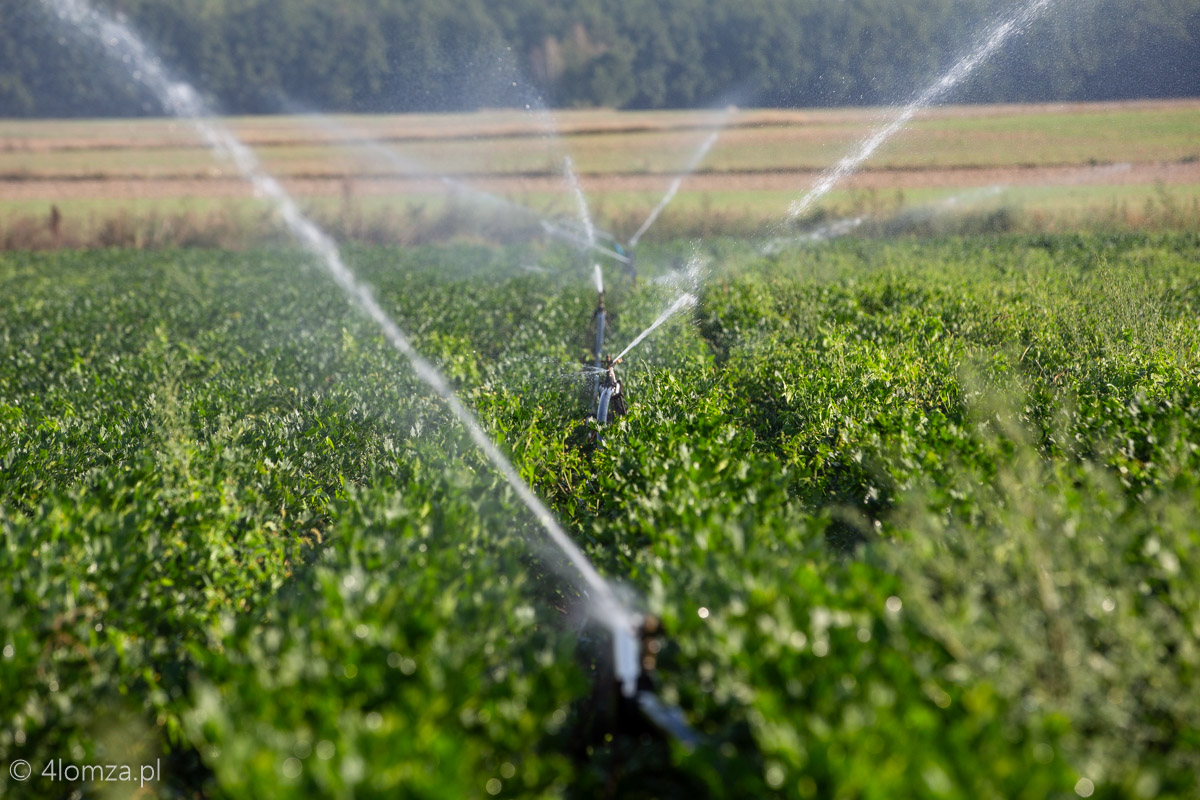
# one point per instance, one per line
(918, 517)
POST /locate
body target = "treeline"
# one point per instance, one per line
(261, 56)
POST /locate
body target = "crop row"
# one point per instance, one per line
(918, 518)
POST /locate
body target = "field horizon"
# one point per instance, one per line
(1119, 165)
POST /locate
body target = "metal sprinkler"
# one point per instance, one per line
(625, 699)
(564, 231)
(628, 258)
(599, 320)
(612, 397)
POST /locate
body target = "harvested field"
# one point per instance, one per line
(1124, 151)
(1122, 174)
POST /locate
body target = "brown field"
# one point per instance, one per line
(1111, 161)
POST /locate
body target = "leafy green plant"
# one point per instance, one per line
(917, 518)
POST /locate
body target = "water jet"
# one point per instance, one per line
(182, 101)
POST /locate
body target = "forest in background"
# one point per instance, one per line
(365, 56)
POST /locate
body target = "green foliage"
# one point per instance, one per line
(258, 56)
(918, 518)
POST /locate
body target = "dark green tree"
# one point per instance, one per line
(255, 56)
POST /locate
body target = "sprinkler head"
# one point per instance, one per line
(642, 711)
(630, 265)
(627, 647)
(611, 392)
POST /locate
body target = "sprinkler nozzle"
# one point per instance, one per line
(626, 658)
(641, 706)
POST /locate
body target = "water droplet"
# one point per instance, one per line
(8, 651)
(703, 612)
(894, 604)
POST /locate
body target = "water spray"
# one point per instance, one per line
(559, 231)
(905, 218)
(672, 190)
(685, 300)
(610, 397)
(577, 235)
(182, 100)
(699, 155)
(580, 201)
(823, 233)
(609, 391)
(992, 41)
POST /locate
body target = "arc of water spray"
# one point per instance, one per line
(183, 101)
(674, 188)
(585, 217)
(685, 300)
(559, 232)
(411, 167)
(823, 233)
(838, 228)
(995, 37)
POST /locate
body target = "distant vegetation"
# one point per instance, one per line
(256, 56)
